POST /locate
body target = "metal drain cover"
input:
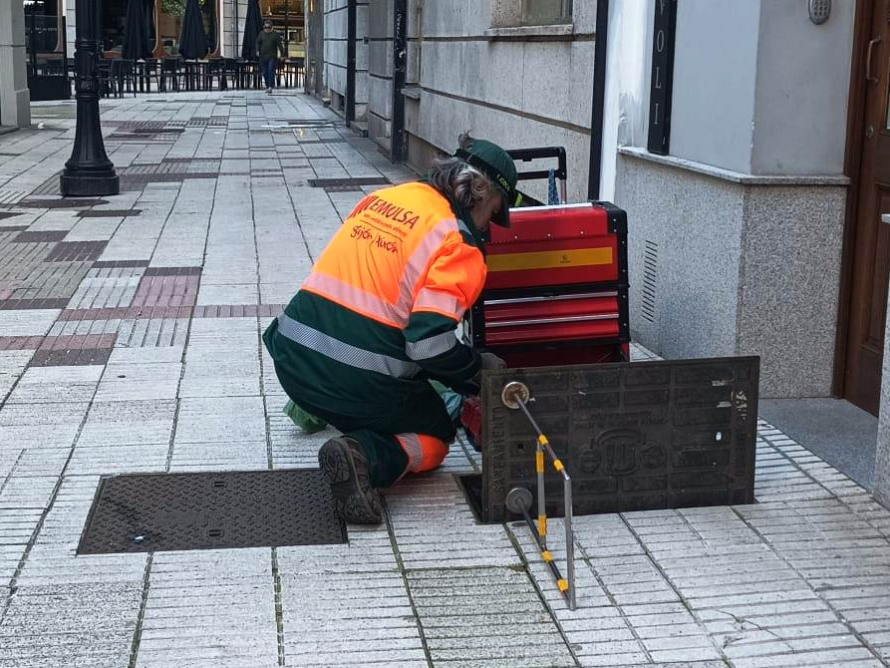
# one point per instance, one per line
(199, 511)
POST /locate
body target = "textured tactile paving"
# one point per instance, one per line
(30, 304)
(32, 237)
(125, 313)
(109, 213)
(71, 357)
(80, 251)
(238, 310)
(166, 289)
(119, 264)
(353, 183)
(486, 616)
(74, 203)
(192, 511)
(52, 280)
(173, 271)
(20, 342)
(139, 181)
(632, 436)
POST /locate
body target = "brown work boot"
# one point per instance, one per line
(346, 469)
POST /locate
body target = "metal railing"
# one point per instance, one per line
(519, 500)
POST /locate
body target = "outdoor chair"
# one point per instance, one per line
(290, 73)
(55, 67)
(150, 69)
(124, 77)
(106, 83)
(170, 72)
(215, 69)
(194, 74)
(230, 72)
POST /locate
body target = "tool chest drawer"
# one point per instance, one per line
(557, 245)
(557, 286)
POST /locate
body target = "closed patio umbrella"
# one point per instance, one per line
(252, 27)
(136, 44)
(192, 39)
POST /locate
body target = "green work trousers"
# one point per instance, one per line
(423, 413)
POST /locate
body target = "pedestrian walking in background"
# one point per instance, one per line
(268, 45)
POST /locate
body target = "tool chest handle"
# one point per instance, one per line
(529, 154)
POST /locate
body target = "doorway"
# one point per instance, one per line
(870, 239)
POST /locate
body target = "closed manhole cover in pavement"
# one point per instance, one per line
(199, 511)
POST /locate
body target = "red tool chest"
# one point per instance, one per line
(556, 291)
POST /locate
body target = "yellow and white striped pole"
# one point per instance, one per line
(542, 500)
(515, 396)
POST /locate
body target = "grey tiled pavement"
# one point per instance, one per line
(139, 350)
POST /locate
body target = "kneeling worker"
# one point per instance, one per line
(375, 321)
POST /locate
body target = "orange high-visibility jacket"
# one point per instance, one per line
(378, 312)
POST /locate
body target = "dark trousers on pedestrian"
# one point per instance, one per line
(268, 68)
(381, 433)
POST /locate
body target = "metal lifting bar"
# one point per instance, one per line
(519, 500)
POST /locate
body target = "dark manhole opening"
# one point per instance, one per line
(471, 485)
(199, 511)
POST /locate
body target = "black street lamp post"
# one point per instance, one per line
(89, 172)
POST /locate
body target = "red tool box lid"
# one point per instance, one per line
(553, 245)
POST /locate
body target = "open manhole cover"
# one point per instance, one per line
(633, 436)
(199, 511)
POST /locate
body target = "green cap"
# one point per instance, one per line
(496, 164)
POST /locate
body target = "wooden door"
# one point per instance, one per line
(871, 259)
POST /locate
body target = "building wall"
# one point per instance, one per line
(14, 95)
(803, 81)
(473, 70)
(746, 214)
(70, 24)
(380, 71)
(314, 12)
(723, 267)
(234, 13)
(882, 461)
(715, 70)
(759, 89)
(335, 34)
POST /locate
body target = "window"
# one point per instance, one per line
(524, 15)
(544, 12)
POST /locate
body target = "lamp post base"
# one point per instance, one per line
(90, 186)
(89, 172)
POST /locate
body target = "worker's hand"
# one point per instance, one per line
(491, 362)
